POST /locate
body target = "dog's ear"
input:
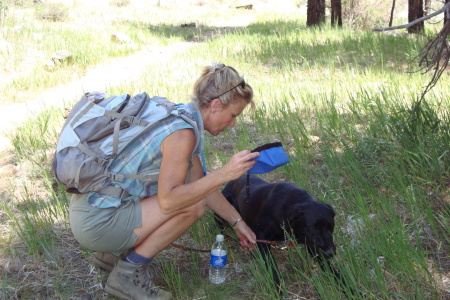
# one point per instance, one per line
(296, 214)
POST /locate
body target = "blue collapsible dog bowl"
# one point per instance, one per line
(271, 156)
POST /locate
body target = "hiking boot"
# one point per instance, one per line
(105, 261)
(134, 281)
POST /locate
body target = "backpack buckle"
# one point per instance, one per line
(116, 177)
(176, 112)
(102, 162)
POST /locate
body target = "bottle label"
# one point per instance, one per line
(219, 260)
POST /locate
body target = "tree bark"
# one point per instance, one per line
(315, 12)
(336, 12)
(447, 13)
(392, 13)
(427, 7)
(415, 11)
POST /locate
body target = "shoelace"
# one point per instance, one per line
(143, 279)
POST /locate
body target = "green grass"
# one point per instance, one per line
(344, 106)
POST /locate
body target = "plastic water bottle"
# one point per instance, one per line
(218, 262)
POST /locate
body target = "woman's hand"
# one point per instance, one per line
(238, 165)
(246, 236)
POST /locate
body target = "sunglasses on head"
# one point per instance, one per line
(242, 84)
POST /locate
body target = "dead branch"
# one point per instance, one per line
(435, 55)
(392, 13)
(443, 9)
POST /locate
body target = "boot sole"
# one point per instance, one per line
(115, 292)
(102, 264)
(118, 293)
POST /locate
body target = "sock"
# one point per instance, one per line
(135, 258)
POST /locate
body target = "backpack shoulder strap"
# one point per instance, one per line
(171, 109)
(188, 118)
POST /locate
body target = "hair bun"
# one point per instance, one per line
(216, 66)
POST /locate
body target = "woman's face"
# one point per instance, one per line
(220, 117)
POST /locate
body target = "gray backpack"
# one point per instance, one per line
(98, 129)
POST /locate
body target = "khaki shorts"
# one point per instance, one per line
(104, 229)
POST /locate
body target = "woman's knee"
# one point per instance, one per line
(197, 210)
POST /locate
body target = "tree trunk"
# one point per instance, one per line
(315, 12)
(446, 14)
(415, 11)
(336, 12)
(392, 13)
(427, 7)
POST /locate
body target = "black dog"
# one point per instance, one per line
(272, 209)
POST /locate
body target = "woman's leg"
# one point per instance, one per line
(129, 280)
(159, 230)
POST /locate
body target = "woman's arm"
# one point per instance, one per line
(173, 192)
(218, 204)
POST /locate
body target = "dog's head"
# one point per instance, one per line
(312, 223)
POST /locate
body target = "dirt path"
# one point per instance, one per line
(100, 77)
(112, 73)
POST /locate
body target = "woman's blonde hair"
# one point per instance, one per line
(221, 82)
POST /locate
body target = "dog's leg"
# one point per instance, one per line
(326, 266)
(270, 263)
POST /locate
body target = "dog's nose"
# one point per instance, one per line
(329, 252)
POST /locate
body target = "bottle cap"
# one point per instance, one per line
(219, 238)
